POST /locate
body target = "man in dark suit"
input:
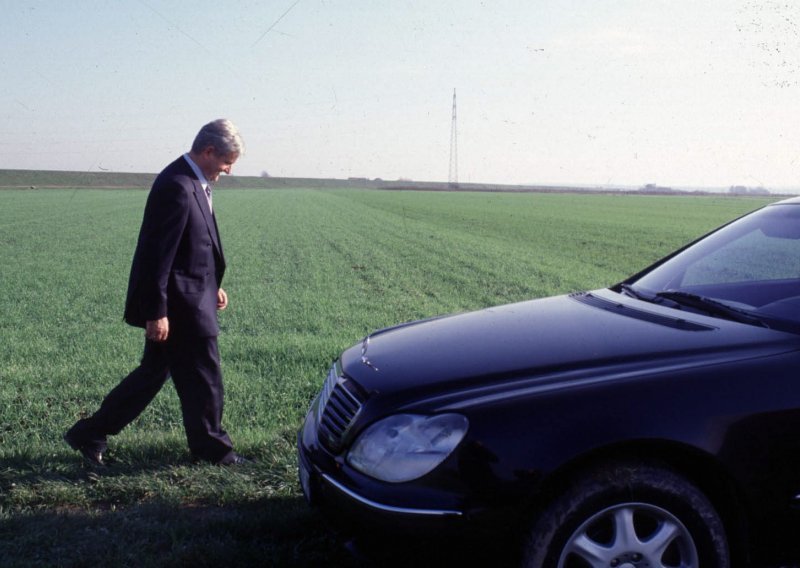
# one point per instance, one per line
(174, 293)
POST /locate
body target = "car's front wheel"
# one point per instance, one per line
(629, 516)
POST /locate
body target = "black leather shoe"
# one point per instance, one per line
(92, 455)
(235, 459)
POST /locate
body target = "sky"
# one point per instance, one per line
(679, 93)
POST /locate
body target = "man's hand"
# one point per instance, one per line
(157, 330)
(222, 299)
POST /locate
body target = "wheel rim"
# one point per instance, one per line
(630, 535)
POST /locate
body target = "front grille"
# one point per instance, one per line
(339, 404)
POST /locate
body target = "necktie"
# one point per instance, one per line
(208, 196)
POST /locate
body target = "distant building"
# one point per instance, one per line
(653, 188)
(744, 190)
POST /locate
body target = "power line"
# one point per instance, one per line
(275, 23)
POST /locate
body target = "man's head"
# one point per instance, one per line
(216, 148)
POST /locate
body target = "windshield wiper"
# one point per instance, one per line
(633, 292)
(712, 307)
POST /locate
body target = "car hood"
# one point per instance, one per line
(550, 337)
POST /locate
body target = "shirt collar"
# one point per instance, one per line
(195, 168)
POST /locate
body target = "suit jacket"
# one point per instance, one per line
(178, 264)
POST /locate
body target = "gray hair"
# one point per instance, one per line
(221, 135)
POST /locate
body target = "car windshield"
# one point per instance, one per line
(748, 271)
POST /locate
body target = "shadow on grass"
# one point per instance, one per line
(279, 532)
(152, 506)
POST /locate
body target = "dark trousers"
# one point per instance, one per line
(194, 365)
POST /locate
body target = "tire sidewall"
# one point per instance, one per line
(620, 485)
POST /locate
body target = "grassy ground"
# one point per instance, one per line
(310, 272)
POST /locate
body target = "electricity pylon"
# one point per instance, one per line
(453, 176)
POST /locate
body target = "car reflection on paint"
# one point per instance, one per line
(653, 423)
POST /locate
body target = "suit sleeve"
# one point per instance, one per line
(166, 214)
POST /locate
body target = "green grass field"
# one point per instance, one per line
(309, 273)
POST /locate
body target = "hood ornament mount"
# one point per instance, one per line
(364, 359)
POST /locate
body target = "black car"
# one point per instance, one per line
(654, 423)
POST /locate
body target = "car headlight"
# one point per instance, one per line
(406, 446)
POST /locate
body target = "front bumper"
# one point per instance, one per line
(353, 512)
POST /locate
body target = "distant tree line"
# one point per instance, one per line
(733, 190)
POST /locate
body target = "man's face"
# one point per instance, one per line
(213, 164)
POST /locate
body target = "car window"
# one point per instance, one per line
(752, 264)
(751, 258)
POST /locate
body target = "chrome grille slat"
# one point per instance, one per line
(327, 389)
(340, 402)
(334, 422)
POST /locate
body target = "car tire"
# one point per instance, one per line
(662, 520)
